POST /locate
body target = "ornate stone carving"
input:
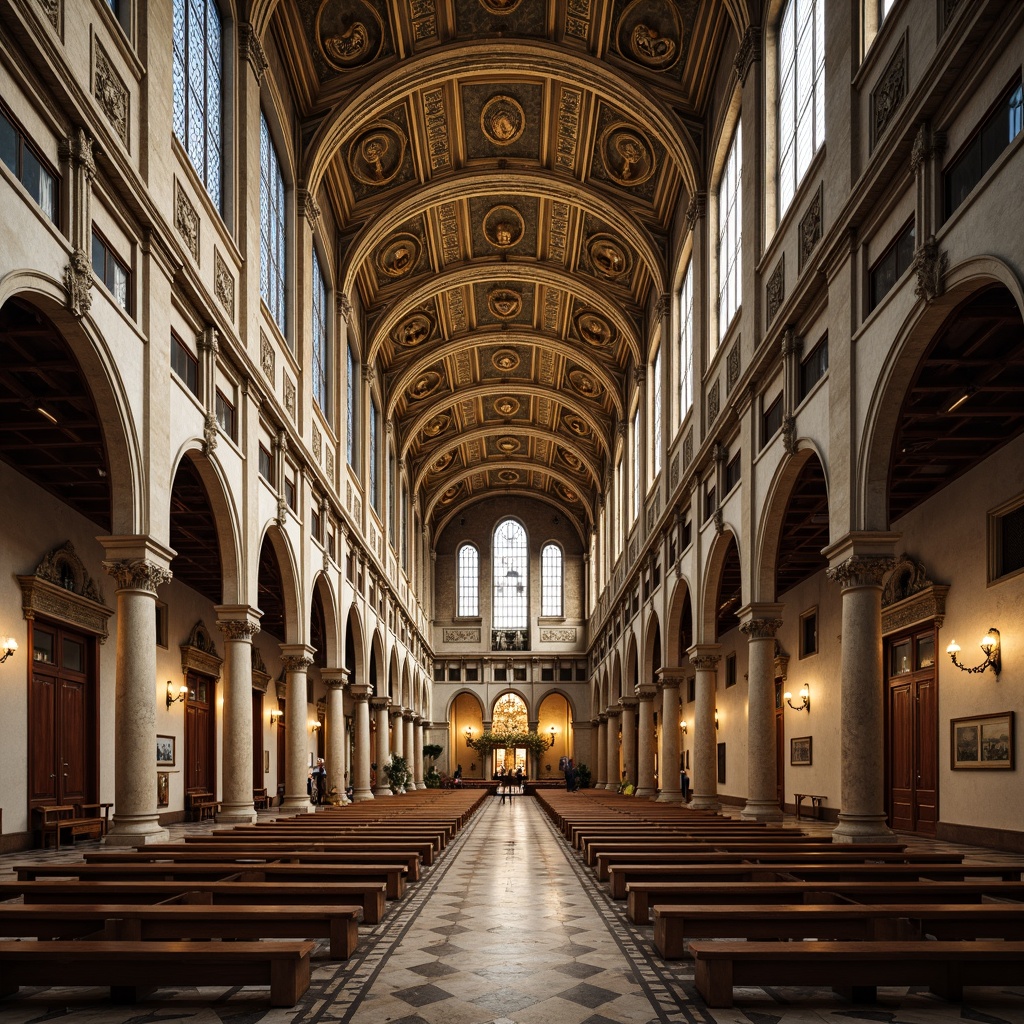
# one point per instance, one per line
(502, 120)
(907, 578)
(732, 367)
(861, 570)
(77, 148)
(695, 209)
(930, 267)
(775, 291)
(209, 434)
(719, 519)
(137, 574)
(714, 402)
(61, 589)
(52, 10)
(111, 93)
(688, 448)
(569, 105)
(238, 629)
(308, 206)
(673, 473)
(317, 443)
(927, 144)
(252, 49)
(186, 220)
(811, 226)
(289, 396)
(436, 118)
(267, 357)
(890, 92)
(760, 629)
(345, 308)
(789, 434)
(558, 636)
(791, 344)
(78, 282)
(297, 662)
(705, 662)
(223, 283)
(462, 636)
(748, 51)
(63, 567)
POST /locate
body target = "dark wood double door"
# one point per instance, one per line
(200, 733)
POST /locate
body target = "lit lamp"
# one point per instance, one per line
(552, 741)
(10, 645)
(805, 698)
(716, 718)
(276, 714)
(171, 698)
(990, 647)
(682, 725)
(315, 724)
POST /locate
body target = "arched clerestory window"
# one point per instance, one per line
(510, 558)
(469, 580)
(551, 602)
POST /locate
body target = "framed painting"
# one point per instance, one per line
(982, 741)
(163, 788)
(165, 750)
(800, 750)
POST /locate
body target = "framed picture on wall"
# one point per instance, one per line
(800, 750)
(982, 741)
(165, 750)
(163, 788)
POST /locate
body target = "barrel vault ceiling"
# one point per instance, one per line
(508, 177)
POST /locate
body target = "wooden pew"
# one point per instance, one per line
(644, 845)
(128, 967)
(368, 895)
(136, 923)
(674, 926)
(424, 848)
(643, 895)
(854, 968)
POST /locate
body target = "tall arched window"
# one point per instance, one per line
(198, 89)
(635, 502)
(469, 580)
(511, 562)
(551, 580)
(350, 433)
(656, 415)
(374, 455)
(273, 277)
(801, 92)
(686, 344)
(730, 235)
(319, 326)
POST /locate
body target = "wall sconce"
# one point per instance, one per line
(551, 742)
(716, 719)
(682, 725)
(469, 734)
(10, 645)
(805, 697)
(171, 699)
(989, 645)
(276, 714)
(315, 724)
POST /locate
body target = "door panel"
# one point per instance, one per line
(901, 717)
(43, 742)
(927, 810)
(73, 741)
(257, 740)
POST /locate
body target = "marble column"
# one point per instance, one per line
(239, 624)
(629, 706)
(859, 564)
(760, 623)
(337, 740)
(417, 751)
(410, 747)
(297, 659)
(668, 682)
(361, 756)
(601, 727)
(381, 707)
(397, 730)
(612, 750)
(138, 566)
(645, 785)
(704, 658)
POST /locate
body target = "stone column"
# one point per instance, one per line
(704, 658)
(361, 756)
(629, 706)
(410, 747)
(858, 564)
(612, 748)
(601, 726)
(645, 786)
(760, 623)
(668, 682)
(138, 565)
(397, 730)
(239, 624)
(380, 707)
(337, 741)
(297, 659)
(417, 751)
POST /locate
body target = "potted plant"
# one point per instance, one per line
(397, 771)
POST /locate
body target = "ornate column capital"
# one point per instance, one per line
(704, 657)
(308, 206)
(696, 209)
(252, 49)
(646, 691)
(861, 558)
(137, 574)
(669, 677)
(297, 657)
(238, 629)
(360, 691)
(760, 629)
(747, 52)
(628, 703)
(612, 713)
(77, 148)
(380, 703)
(335, 678)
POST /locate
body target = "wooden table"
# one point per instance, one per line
(816, 802)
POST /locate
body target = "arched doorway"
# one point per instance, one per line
(510, 716)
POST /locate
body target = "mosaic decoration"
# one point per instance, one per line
(627, 154)
(349, 33)
(377, 153)
(650, 33)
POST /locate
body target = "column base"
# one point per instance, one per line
(761, 810)
(670, 797)
(705, 803)
(132, 833)
(379, 791)
(236, 814)
(863, 828)
(645, 792)
(297, 804)
(361, 794)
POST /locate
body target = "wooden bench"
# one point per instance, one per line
(816, 802)
(369, 845)
(139, 922)
(643, 895)
(854, 968)
(132, 968)
(645, 844)
(674, 926)
(70, 819)
(201, 804)
(260, 800)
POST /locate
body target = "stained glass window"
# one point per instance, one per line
(272, 228)
(510, 559)
(730, 236)
(551, 580)
(319, 326)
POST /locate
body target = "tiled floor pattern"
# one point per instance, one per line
(508, 928)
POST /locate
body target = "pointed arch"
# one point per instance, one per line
(652, 651)
(679, 624)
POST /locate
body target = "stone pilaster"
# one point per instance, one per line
(381, 706)
(600, 724)
(668, 682)
(397, 730)
(704, 658)
(297, 659)
(417, 749)
(629, 706)
(645, 785)
(613, 750)
(337, 741)
(409, 746)
(361, 723)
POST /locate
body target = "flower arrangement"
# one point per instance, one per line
(534, 742)
(397, 771)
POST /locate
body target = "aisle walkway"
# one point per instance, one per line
(508, 927)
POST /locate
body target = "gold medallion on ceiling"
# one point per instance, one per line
(349, 33)
(627, 154)
(414, 330)
(568, 493)
(608, 257)
(574, 462)
(505, 360)
(504, 303)
(503, 226)
(650, 33)
(425, 384)
(375, 155)
(508, 445)
(502, 120)
(577, 425)
(500, 6)
(438, 425)
(397, 257)
(594, 329)
(506, 406)
(443, 462)
(509, 476)
(585, 384)
(450, 494)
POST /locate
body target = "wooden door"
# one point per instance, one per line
(780, 747)
(258, 781)
(281, 749)
(200, 770)
(912, 730)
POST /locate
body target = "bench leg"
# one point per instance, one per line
(714, 981)
(289, 979)
(344, 936)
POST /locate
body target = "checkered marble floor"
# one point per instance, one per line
(508, 927)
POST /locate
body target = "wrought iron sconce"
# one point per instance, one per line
(989, 646)
(276, 714)
(315, 724)
(551, 742)
(182, 692)
(10, 645)
(805, 697)
(716, 719)
(682, 725)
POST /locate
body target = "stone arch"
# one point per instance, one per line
(355, 649)
(294, 627)
(394, 690)
(680, 608)
(632, 678)
(652, 653)
(707, 614)
(328, 600)
(377, 678)
(616, 681)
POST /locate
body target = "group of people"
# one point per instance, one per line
(509, 781)
(567, 766)
(316, 784)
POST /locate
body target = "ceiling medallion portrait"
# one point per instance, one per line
(397, 257)
(500, 6)
(574, 462)
(414, 330)
(568, 493)
(505, 360)
(585, 384)
(607, 257)
(509, 476)
(349, 33)
(506, 406)
(438, 425)
(450, 494)
(595, 330)
(375, 155)
(502, 120)
(508, 445)
(650, 33)
(504, 303)
(443, 462)
(427, 383)
(503, 226)
(627, 155)
(577, 425)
